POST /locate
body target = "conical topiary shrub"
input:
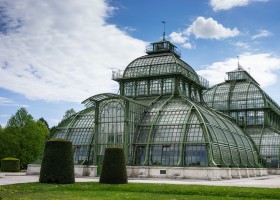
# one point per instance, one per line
(113, 168)
(57, 164)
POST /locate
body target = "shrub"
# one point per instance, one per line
(114, 168)
(57, 164)
(10, 165)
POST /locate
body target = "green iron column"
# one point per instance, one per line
(96, 125)
(126, 131)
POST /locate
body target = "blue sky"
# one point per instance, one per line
(54, 54)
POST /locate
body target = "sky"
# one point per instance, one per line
(55, 54)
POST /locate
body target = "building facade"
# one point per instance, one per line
(159, 118)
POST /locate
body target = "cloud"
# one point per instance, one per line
(260, 66)
(229, 4)
(9, 102)
(210, 29)
(262, 33)
(54, 52)
(242, 45)
(181, 39)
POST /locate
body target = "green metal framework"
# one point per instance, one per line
(159, 118)
(252, 109)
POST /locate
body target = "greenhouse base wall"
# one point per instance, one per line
(203, 173)
(275, 171)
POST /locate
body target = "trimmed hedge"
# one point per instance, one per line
(57, 164)
(10, 165)
(113, 168)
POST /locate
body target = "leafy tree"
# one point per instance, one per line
(23, 137)
(20, 119)
(69, 113)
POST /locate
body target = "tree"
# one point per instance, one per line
(20, 119)
(69, 113)
(45, 122)
(23, 137)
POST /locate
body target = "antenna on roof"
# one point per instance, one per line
(163, 38)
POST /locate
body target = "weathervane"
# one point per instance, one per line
(163, 29)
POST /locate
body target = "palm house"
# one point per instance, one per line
(161, 121)
(241, 97)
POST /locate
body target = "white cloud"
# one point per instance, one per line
(181, 39)
(55, 52)
(262, 33)
(260, 66)
(128, 29)
(210, 29)
(242, 45)
(9, 102)
(178, 37)
(187, 45)
(229, 4)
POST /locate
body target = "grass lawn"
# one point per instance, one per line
(133, 191)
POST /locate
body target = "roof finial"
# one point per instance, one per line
(238, 65)
(163, 38)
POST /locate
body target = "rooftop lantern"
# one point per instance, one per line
(163, 46)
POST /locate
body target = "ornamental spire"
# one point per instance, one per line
(163, 38)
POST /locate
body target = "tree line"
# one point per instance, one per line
(23, 137)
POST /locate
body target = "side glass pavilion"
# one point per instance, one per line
(241, 97)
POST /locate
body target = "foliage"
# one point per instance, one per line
(44, 122)
(69, 113)
(57, 164)
(10, 165)
(23, 138)
(20, 119)
(114, 168)
(134, 191)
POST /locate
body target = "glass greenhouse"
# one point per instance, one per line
(252, 109)
(159, 118)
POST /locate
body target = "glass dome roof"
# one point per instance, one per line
(159, 64)
(239, 93)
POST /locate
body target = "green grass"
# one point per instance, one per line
(133, 191)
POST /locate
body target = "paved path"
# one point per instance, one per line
(272, 181)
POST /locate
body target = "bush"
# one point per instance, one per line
(57, 164)
(114, 168)
(10, 165)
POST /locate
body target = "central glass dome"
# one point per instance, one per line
(163, 64)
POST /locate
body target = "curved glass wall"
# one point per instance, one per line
(177, 132)
(79, 129)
